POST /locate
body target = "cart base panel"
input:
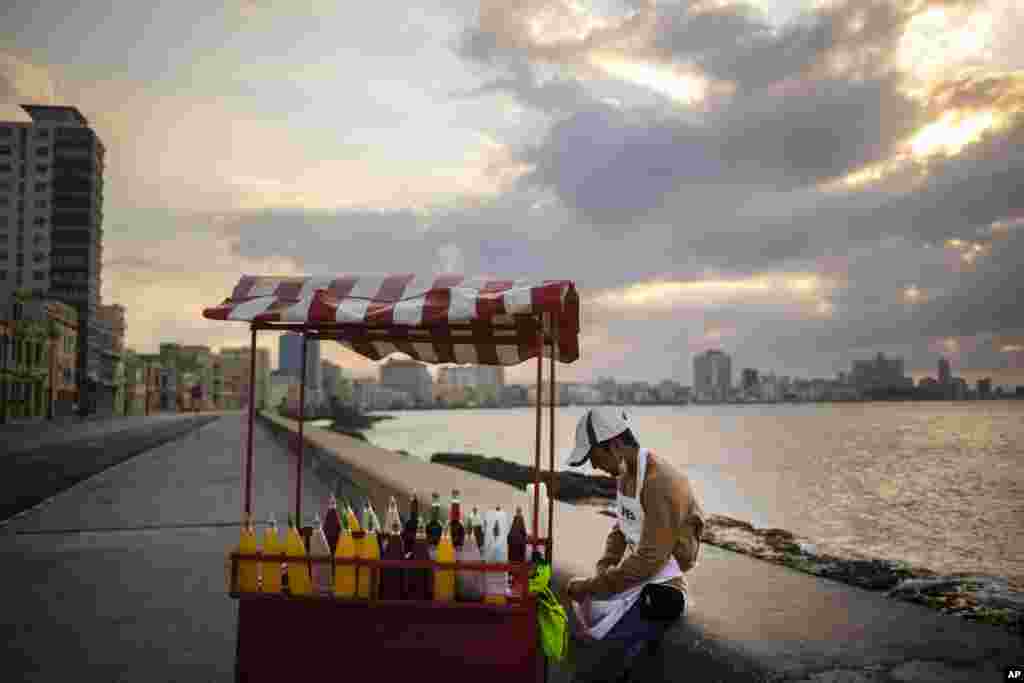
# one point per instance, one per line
(280, 638)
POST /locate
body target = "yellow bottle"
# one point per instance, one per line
(298, 568)
(271, 569)
(368, 549)
(353, 521)
(345, 574)
(444, 579)
(248, 570)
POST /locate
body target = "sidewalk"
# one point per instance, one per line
(122, 578)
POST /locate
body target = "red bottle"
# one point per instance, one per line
(332, 524)
(517, 538)
(455, 526)
(392, 581)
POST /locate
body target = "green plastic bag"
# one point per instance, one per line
(551, 620)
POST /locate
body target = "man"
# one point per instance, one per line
(660, 520)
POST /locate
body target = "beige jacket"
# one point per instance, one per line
(673, 523)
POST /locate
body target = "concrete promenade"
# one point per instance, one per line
(121, 577)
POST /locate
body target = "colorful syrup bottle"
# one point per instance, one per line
(345, 574)
(299, 582)
(444, 579)
(477, 523)
(369, 549)
(392, 580)
(496, 552)
(455, 525)
(409, 529)
(320, 550)
(469, 585)
(332, 524)
(434, 526)
(271, 568)
(419, 583)
(248, 570)
(517, 538)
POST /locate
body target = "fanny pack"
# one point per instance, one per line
(659, 602)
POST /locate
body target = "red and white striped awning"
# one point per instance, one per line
(434, 319)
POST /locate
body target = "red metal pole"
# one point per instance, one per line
(302, 415)
(551, 453)
(251, 418)
(540, 414)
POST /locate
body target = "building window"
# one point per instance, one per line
(39, 275)
(6, 132)
(40, 187)
(6, 187)
(42, 168)
(3, 275)
(6, 168)
(42, 151)
(43, 133)
(38, 257)
(4, 255)
(4, 201)
(39, 221)
(5, 150)
(40, 203)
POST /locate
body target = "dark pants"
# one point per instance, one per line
(612, 658)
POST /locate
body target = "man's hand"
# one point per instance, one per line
(575, 590)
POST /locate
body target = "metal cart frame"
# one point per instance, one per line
(460, 641)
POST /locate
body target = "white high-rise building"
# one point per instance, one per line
(51, 218)
(712, 376)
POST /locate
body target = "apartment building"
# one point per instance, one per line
(51, 198)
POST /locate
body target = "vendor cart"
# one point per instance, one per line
(435, 319)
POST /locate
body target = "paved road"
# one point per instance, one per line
(121, 577)
(39, 461)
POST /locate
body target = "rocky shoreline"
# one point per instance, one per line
(976, 597)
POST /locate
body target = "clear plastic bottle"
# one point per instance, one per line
(369, 549)
(320, 550)
(470, 584)
(496, 552)
(271, 569)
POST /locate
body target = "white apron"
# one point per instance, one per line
(604, 614)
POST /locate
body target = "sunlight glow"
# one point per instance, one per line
(952, 132)
(1012, 348)
(796, 287)
(673, 82)
(912, 294)
(943, 39)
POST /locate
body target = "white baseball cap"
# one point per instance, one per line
(596, 426)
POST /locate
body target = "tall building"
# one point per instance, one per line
(945, 375)
(880, 373)
(289, 358)
(409, 376)
(51, 216)
(712, 376)
(235, 367)
(472, 376)
(109, 396)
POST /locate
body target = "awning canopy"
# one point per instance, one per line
(435, 319)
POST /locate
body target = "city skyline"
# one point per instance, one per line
(798, 203)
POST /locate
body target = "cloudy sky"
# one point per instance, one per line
(798, 184)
